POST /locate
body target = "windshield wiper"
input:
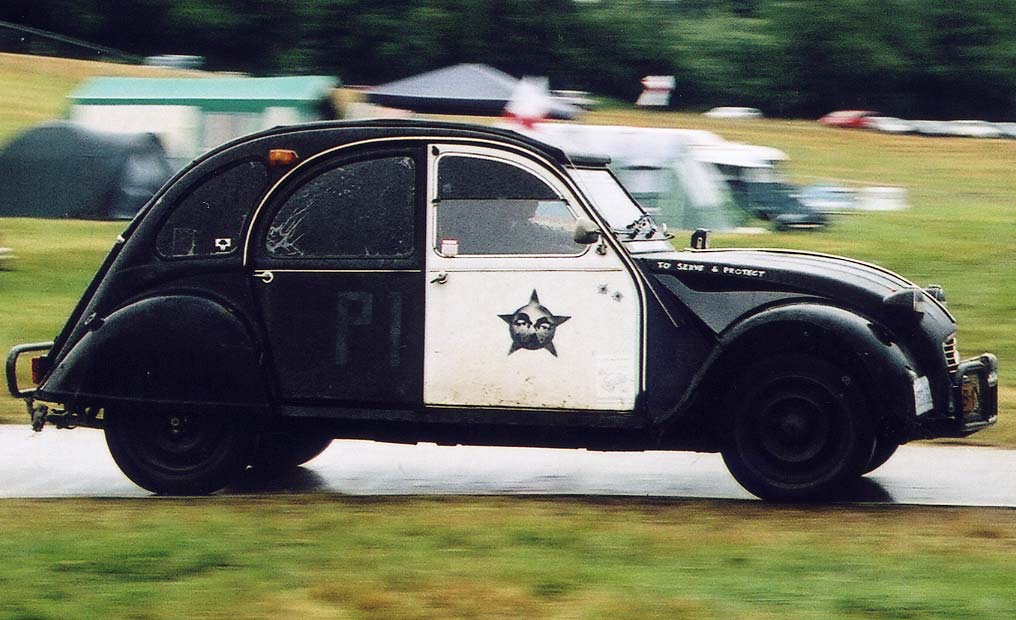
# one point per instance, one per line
(643, 222)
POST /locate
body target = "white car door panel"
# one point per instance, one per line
(557, 331)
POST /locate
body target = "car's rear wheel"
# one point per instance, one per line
(280, 451)
(797, 429)
(178, 452)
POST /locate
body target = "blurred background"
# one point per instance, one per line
(797, 58)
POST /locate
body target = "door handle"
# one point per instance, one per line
(264, 276)
(441, 278)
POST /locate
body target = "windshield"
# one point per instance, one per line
(629, 222)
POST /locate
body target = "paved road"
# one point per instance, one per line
(76, 464)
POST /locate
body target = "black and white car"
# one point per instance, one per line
(410, 281)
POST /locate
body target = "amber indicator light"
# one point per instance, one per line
(282, 157)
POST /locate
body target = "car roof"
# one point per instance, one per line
(419, 127)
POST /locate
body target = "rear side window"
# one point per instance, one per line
(209, 219)
(361, 209)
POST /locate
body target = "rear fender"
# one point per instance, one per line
(170, 350)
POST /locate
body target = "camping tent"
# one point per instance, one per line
(656, 166)
(194, 115)
(60, 169)
(460, 89)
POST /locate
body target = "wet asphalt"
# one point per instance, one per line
(75, 463)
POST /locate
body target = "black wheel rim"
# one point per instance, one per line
(176, 443)
(795, 431)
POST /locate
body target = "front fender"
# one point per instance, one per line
(167, 350)
(884, 368)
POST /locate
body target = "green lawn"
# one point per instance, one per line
(334, 557)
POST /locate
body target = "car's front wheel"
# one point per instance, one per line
(797, 429)
(178, 452)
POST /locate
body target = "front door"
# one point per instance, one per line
(517, 314)
(336, 263)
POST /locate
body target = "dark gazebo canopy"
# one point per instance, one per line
(461, 89)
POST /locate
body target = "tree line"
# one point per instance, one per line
(910, 58)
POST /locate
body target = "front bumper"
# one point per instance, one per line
(975, 392)
(974, 396)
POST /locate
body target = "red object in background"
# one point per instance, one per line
(852, 119)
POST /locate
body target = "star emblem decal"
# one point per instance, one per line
(533, 326)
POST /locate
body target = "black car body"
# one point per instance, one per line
(408, 281)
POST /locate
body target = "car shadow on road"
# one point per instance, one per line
(303, 480)
(298, 480)
(863, 490)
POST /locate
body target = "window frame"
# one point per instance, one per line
(442, 151)
(277, 197)
(245, 224)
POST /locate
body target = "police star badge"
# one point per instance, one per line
(533, 326)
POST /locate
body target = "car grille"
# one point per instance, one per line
(952, 354)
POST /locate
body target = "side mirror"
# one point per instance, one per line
(586, 231)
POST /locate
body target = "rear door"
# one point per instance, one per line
(336, 260)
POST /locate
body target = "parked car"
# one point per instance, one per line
(932, 128)
(734, 112)
(889, 124)
(828, 198)
(848, 119)
(1008, 129)
(974, 129)
(412, 281)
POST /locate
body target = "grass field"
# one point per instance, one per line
(332, 557)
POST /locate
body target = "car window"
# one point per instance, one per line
(362, 209)
(209, 219)
(487, 206)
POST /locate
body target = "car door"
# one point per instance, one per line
(336, 259)
(518, 315)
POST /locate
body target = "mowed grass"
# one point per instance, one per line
(437, 558)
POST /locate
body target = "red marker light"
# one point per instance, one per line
(38, 369)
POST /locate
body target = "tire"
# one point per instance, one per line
(175, 453)
(797, 429)
(884, 450)
(279, 452)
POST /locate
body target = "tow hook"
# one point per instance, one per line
(41, 414)
(38, 413)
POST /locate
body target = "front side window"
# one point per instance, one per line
(487, 206)
(362, 209)
(209, 219)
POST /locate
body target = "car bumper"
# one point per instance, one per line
(974, 400)
(12, 367)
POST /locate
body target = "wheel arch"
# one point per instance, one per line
(849, 340)
(177, 349)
